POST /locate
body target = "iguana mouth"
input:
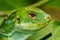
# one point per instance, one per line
(32, 26)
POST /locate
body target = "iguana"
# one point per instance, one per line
(25, 23)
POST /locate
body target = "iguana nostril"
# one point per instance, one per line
(32, 15)
(47, 17)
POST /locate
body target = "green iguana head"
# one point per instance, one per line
(32, 18)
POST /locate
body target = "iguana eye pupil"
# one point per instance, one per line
(32, 15)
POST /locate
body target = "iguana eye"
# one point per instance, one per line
(32, 15)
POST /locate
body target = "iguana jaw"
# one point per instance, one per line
(32, 26)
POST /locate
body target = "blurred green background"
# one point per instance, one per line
(52, 7)
(12, 4)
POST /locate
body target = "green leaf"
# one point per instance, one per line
(55, 25)
(56, 34)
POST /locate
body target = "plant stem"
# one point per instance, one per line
(39, 3)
